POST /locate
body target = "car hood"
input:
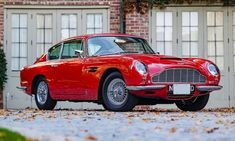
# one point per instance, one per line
(157, 63)
(150, 59)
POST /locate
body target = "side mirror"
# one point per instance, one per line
(79, 53)
(158, 53)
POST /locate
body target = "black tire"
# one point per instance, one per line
(49, 102)
(195, 104)
(129, 102)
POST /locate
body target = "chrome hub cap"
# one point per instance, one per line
(42, 92)
(117, 92)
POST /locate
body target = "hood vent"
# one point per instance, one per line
(170, 58)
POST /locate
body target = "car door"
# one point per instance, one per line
(69, 71)
(53, 61)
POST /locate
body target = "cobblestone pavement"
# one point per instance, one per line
(159, 124)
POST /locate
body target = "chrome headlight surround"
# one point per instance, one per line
(140, 67)
(212, 69)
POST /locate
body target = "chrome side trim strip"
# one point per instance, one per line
(149, 87)
(209, 88)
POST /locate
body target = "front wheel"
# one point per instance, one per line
(194, 104)
(115, 96)
(42, 95)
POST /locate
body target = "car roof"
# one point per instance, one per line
(100, 35)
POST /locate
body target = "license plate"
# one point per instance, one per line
(181, 89)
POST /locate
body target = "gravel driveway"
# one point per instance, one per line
(159, 124)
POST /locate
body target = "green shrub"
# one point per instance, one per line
(7, 135)
(3, 69)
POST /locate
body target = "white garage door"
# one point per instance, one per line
(29, 33)
(199, 32)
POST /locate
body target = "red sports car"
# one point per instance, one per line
(118, 71)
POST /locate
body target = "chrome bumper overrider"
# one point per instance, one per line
(209, 88)
(158, 87)
(21, 88)
(151, 87)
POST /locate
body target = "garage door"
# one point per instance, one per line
(199, 32)
(29, 34)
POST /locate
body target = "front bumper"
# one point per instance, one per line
(148, 87)
(158, 87)
(209, 88)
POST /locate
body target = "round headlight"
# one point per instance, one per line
(140, 67)
(212, 69)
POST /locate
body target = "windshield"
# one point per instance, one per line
(116, 45)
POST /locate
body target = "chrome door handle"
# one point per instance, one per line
(54, 65)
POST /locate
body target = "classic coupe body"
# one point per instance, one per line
(118, 71)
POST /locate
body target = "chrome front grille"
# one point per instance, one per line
(180, 75)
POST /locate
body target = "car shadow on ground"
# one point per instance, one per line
(162, 110)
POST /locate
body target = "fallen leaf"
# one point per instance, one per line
(146, 119)
(173, 130)
(90, 137)
(193, 129)
(17, 119)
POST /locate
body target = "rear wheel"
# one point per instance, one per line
(194, 104)
(115, 96)
(42, 95)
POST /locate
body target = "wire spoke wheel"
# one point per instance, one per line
(42, 92)
(117, 92)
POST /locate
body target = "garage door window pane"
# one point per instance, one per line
(15, 34)
(19, 49)
(23, 35)
(215, 38)
(190, 34)
(48, 21)
(94, 23)
(69, 25)
(15, 20)
(44, 33)
(23, 50)
(164, 33)
(23, 21)
(15, 49)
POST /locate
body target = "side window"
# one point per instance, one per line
(70, 47)
(54, 52)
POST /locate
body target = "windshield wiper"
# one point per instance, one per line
(125, 52)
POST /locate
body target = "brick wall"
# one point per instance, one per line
(137, 24)
(1, 21)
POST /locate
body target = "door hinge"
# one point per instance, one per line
(177, 40)
(229, 98)
(228, 69)
(6, 42)
(31, 42)
(176, 14)
(151, 40)
(228, 40)
(227, 13)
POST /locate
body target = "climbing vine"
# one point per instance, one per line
(142, 6)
